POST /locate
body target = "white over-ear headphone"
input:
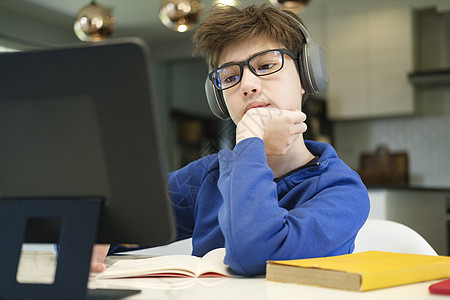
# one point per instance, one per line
(311, 67)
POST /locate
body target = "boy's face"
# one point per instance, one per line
(281, 90)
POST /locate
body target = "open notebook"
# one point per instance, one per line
(210, 265)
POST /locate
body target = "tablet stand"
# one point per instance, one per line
(78, 231)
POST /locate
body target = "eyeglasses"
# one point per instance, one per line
(261, 64)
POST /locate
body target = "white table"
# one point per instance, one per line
(40, 264)
(254, 288)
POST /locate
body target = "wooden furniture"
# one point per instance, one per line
(383, 167)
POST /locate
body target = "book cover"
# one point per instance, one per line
(210, 265)
(360, 271)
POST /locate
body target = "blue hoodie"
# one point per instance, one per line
(231, 200)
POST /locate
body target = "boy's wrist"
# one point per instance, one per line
(248, 128)
(246, 134)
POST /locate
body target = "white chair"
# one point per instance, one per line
(376, 234)
(389, 236)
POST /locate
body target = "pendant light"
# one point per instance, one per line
(296, 6)
(180, 15)
(94, 23)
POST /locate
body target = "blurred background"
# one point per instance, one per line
(388, 65)
(373, 50)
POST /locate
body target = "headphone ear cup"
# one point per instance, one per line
(215, 101)
(302, 72)
(313, 68)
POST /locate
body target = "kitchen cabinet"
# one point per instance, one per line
(369, 54)
(433, 49)
(423, 209)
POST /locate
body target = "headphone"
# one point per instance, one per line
(311, 67)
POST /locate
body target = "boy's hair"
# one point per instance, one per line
(227, 24)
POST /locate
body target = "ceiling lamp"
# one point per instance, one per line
(180, 15)
(226, 2)
(295, 6)
(94, 23)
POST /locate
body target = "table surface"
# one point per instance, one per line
(41, 265)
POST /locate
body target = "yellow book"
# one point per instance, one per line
(360, 271)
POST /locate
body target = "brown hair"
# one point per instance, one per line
(227, 24)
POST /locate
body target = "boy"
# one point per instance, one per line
(274, 196)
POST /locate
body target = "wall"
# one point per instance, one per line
(29, 27)
(425, 136)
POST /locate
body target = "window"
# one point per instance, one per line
(6, 49)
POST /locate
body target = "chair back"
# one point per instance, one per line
(390, 236)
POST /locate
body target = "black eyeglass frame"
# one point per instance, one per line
(241, 65)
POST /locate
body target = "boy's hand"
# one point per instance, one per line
(276, 127)
(99, 253)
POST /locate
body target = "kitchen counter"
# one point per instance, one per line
(410, 188)
(423, 208)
